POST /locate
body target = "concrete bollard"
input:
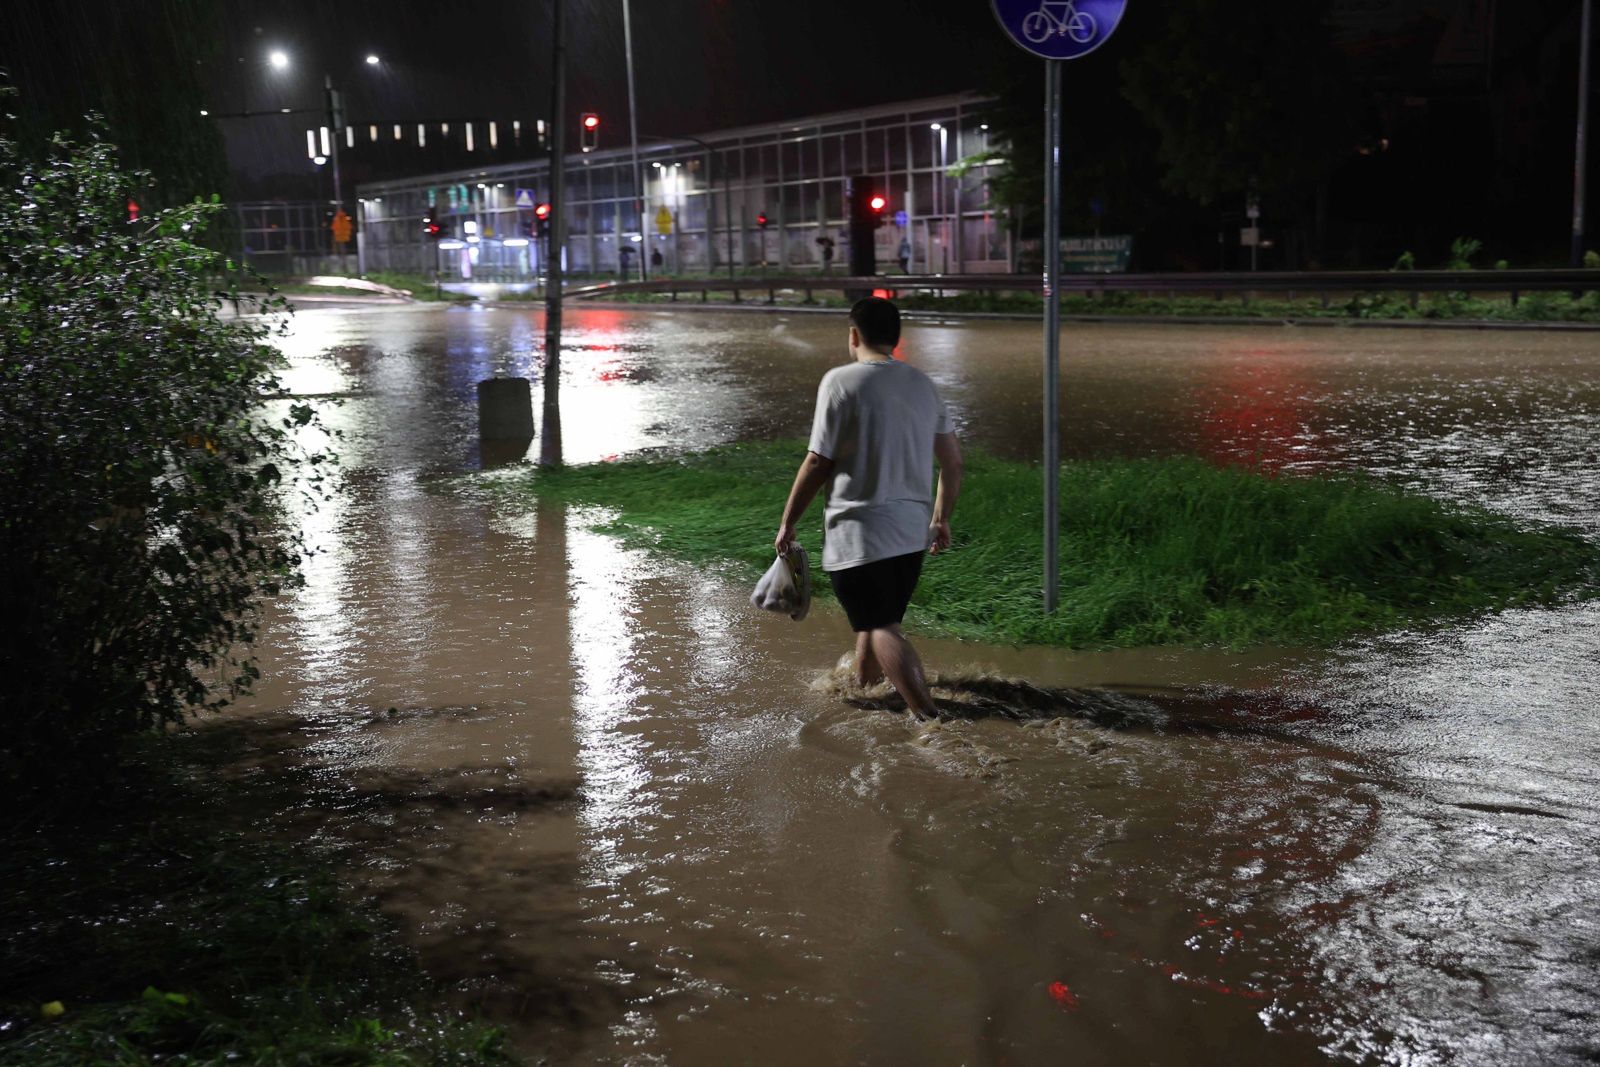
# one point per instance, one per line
(505, 409)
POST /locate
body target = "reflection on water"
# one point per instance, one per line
(639, 822)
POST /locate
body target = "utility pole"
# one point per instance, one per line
(550, 428)
(633, 134)
(1580, 168)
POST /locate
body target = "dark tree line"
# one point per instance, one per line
(1192, 108)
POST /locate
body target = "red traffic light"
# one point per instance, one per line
(761, 220)
(877, 203)
(590, 120)
(543, 211)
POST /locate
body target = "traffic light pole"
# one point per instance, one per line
(550, 427)
(335, 117)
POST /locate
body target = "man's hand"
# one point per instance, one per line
(938, 536)
(784, 539)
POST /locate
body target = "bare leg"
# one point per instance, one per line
(867, 670)
(900, 662)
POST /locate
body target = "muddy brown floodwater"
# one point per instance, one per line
(640, 823)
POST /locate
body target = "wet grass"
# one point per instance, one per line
(153, 923)
(1158, 551)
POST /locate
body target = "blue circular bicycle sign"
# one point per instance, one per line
(1059, 29)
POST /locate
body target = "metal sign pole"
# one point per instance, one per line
(1580, 168)
(1052, 331)
(1055, 33)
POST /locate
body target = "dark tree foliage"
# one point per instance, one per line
(1242, 94)
(139, 467)
(1184, 110)
(141, 64)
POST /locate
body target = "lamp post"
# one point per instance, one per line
(633, 132)
(939, 199)
(333, 112)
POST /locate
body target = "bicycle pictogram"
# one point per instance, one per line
(1060, 17)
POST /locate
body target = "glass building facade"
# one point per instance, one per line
(705, 197)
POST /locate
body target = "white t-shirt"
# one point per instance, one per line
(876, 421)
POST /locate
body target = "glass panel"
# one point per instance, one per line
(897, 148)
(832, 155)
(692, 216)
(922, 194)
(854, 160)
(795, 208)
(924, 146)
(877, 152)
(833, 200)
(793, 167)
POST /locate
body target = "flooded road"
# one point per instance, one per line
(641, 823)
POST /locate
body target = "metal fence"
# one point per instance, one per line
(1326, 284)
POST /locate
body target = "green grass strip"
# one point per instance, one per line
(1153, 551)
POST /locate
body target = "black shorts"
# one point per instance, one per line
(875, 594)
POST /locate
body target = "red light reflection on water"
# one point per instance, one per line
(1256, 408)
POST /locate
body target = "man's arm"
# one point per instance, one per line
(808, 481)
(947, 451)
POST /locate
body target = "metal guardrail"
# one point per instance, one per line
(1324, 283)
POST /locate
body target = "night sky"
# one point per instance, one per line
(700, 64)
(1459, 113)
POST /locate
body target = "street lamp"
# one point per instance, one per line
(279, 60)
(372, 60)
(939, 198)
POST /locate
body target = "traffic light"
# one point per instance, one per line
(867, 206)
(542, 215)
(589, 131)
(761, 220)
(430, 224)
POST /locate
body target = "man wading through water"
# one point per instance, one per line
(879, 426)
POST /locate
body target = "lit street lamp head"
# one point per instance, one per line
(372, 61)
(279, 60)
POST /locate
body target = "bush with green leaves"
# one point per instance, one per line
(139, 465)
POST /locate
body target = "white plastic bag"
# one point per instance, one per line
(786, 586)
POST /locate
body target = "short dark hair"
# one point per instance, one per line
(878, 320)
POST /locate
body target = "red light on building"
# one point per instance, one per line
(877, 203)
